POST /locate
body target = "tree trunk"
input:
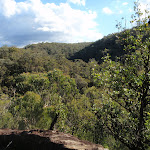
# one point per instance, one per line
(54, 121)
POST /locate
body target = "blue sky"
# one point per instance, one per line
(25, 22)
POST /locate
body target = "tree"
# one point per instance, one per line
(27, 109)
(63, 89)
(126, 84)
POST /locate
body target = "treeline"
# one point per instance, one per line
(84, 51)
(109, 44)
(65, 49)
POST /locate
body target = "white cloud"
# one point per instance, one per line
(130, 10)
(107, 10)
(125, 3)
(8, 7)
(79, 2)
(144, 5)
(32, 21)
(120, 11)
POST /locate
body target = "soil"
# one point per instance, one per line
(42, 140)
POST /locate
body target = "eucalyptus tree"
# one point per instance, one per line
(126, 87)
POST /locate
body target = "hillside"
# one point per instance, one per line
(88, 50)
(108, 44)
(65, 49)
(84, 51)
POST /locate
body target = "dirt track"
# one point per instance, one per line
(42, 140)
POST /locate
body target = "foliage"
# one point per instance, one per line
(27, 109)
(126, 85)
(61, 49)
(36, 82)
(6, 120)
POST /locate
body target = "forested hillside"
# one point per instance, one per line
(109, 44)
(81, 89)
(84, 51)
(89, 50)
(64, 49)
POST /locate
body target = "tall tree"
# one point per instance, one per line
(126, 85)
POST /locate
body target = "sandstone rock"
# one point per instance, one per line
(42, 140)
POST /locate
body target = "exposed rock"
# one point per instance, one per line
(42, 140)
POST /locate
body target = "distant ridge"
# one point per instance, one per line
(66, 49)
(87, 50)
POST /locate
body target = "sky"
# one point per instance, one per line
(24, 22)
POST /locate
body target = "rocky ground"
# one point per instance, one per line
(42, 140)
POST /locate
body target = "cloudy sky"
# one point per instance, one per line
(24, 22)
